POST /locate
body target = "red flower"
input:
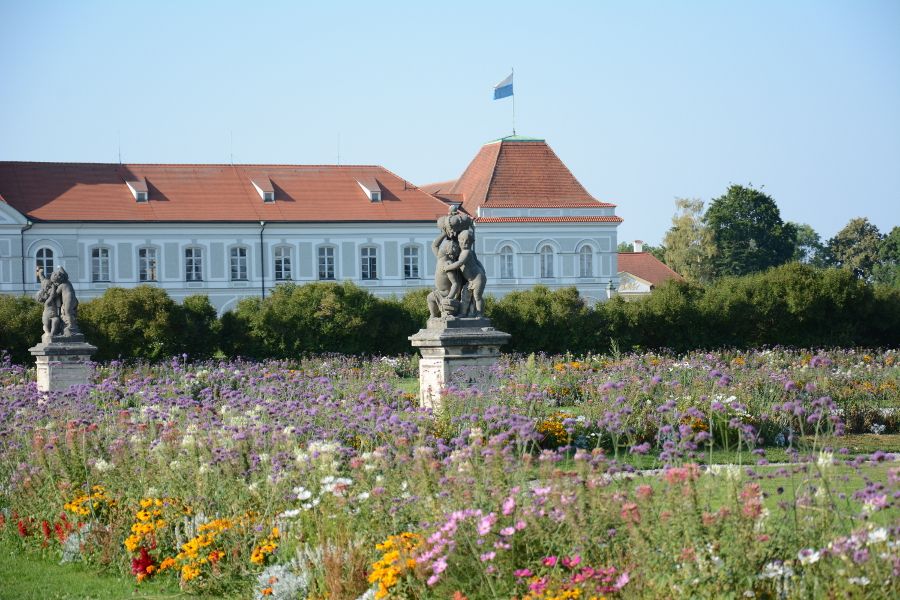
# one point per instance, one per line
(23, 528)
(141, 564)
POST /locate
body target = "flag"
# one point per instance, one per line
(504, 88)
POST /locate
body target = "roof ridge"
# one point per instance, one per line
(113, 164)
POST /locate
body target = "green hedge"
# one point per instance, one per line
(794, 305)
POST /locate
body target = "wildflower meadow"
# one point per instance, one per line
(755, 474)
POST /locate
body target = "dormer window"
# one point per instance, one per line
(370, 187)
(139, 190)
(264, 188)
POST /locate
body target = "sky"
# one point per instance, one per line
(644, 101)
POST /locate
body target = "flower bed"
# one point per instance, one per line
(323, 479)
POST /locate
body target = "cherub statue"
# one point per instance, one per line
(49, 297)
(473, 272)
(68, 309)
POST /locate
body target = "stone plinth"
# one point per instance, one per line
(63, 362)
(468, 346)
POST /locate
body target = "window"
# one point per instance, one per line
(147, 264)
(369, 263)
(193, 264)
(282, 263)
(239, 264)
(410, 262)
(546, 262)
(44, 260)
(586, 261)
(100, 264)
(326, 262)
(507, 263)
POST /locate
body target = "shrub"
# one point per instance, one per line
(541, 320)
(141, 322)
(317, 317)
(20, 326)
(201, 327)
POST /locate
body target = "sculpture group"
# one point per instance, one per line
(459, 278)
(60, 304)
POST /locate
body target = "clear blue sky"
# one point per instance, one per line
(644, 101)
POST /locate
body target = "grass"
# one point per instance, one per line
(28, 575)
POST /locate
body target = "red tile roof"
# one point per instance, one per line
(518, 172)
(196, 193)
(584, 219)
(647, 267)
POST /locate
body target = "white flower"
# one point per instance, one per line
(825, 460)
(102, 466)
(808, 556)
(863, 581)
(309, 505)
(775, 570)
(363, 496)
(302, 493)
(290, 514)
(878, 535)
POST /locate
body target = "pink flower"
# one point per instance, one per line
(538, 586)
(520, 525)
(643, 492)
(570, 562)
(439, 566)
(487, 556)
(522, 573)
(509, 505)
(507, 531)
(433, 580)
(630, 513)
(550, 561)
(485, 524)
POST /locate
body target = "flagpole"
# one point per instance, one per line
(513, 71)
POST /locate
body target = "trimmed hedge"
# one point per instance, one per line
(792, 305)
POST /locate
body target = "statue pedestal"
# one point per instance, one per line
(455, 350)
(63, 362)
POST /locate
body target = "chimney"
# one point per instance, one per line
(638, 246)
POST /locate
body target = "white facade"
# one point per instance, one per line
(228, 259)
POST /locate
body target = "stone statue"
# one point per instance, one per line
(60, 317)
(49, 297)
(62, 359)
(456, 263)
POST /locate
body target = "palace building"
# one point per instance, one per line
(232, 231)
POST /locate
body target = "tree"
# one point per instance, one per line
(688, 247)
(808, 248)
(747, 232)
(855, 247)
(658, 251)
(887, 271)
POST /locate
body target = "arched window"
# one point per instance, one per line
(586, 261)
(99, 264)
(410, 262)
(507, 263)
(44, 260)
(282, 263)
(547, 257)
(148, 264)
(238, 263)
(368, 256)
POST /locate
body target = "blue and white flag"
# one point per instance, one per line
(504, 88)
